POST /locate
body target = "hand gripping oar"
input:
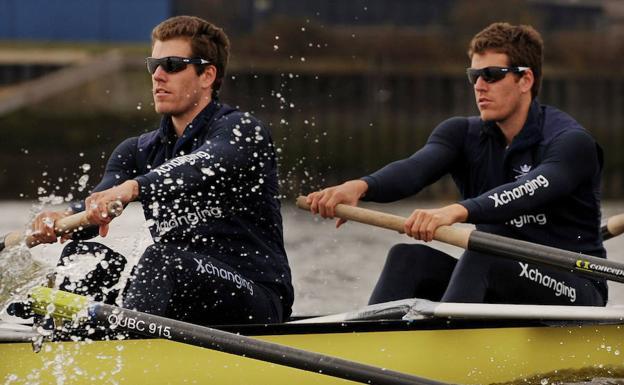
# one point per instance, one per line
(489, 243)
(72, 306)
(62, 226)
(613, 227)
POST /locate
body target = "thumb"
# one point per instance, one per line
(340, 222)
(65, 238)
(103, 230)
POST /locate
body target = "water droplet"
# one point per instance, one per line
(207, 171)
(82, 182)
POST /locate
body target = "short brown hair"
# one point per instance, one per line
(207, 42)
(521, 43)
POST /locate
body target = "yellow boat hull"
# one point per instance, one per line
(466, 356)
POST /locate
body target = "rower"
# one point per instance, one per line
(524, 170)
(207, 181)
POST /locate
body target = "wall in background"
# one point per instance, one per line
(80, 20)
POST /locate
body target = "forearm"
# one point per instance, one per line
(569, 162)
(409, 176)
(219, 165)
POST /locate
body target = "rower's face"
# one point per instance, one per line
(499, 100)
(179, 93)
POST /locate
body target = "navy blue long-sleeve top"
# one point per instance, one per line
(544, 187)
(214, 191)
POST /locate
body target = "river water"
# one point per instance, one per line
(333, 270)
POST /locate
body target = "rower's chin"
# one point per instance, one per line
(163, 108)
(488, 114)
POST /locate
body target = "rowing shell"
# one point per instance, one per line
(462, 351)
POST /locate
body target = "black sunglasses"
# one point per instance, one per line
(492, 74)
(172, 64)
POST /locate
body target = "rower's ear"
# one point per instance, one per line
(207, 78)
(526, 81)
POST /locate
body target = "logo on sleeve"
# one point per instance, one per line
(527, 188)
(524, 169)
(528, 219)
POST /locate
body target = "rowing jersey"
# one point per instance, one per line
(212, 191)
(544, 187)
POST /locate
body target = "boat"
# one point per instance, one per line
(437, 342)
(411, 341)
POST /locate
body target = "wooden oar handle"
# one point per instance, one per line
(446, 234)
(614, 226)
(79, 221)
(62, 226)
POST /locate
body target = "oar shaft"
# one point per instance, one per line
(154, 326)
(491, 244)
(62, 226)
(159, 327)
(530, 252)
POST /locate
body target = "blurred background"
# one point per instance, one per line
(346, 86)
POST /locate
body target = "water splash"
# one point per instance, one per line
(20, 273)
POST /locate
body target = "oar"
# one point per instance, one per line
(613, 227)
(489, 243)
(418, 308)
(62, 226)
(72, 306)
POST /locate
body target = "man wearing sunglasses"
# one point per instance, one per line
(524, 170)
(207, 181)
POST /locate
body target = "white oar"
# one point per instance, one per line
(489, 243)
(427, 309)
(10, 332)
(66, 305)
(62, 226)
(386, 310)
(417, 308)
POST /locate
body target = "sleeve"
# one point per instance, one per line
(120, 167)
(408, 176)
(237, 148)
(569, 160)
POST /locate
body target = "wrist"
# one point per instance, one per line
(359, 186)
(460, 213)
(133, 188)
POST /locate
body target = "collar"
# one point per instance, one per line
(167, 130)
(530, 134)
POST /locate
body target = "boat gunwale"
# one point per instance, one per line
(367, 326)
(427, 324)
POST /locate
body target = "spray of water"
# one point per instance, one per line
(20, 273)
